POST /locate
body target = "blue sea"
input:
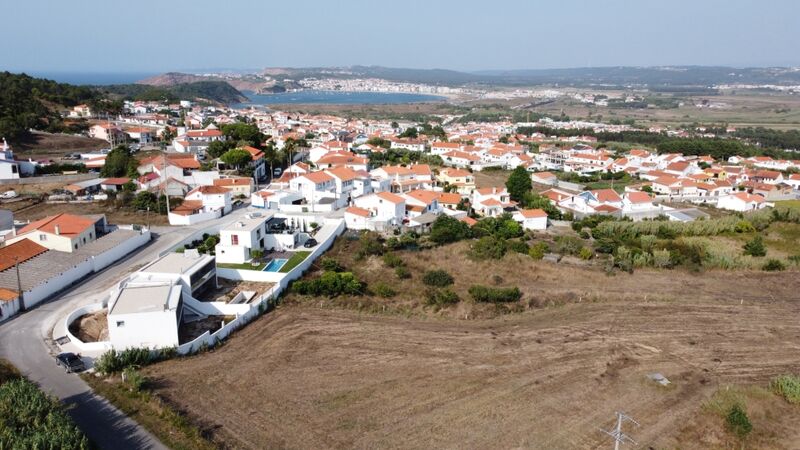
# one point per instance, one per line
(337, 98)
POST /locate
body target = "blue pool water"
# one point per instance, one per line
(275, 265)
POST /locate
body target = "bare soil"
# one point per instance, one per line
(36, 211)
(304, 377)
(91, 327)
(55, 146)
(228, 289)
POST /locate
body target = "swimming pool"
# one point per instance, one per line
(275, 265)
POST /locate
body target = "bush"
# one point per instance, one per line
(774, 265)
(384, 290)
(744, 226)
(568, 245)
(586, 254)
(369, 244)
(517, 246)
(402, 272)
(488, 247)
(441, 297)
(30, 419)
(330, 284)
(113, 361)
(485, 294)
(755, 247)
(447, 229)
(256, 254)
(392, 260)
(788, 387)
(330, 264)
(134, 379)
(538, 250)
(738, 422)
(437, 278)
(662, 259)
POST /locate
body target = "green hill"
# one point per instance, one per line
(216, 92)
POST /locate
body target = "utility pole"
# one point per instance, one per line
(19, 286)
(617, 434)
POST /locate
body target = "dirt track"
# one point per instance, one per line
(304, 377)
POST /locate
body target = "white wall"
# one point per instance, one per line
(177, 219)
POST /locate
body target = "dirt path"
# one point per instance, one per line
(304, 377)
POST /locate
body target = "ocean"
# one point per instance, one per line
(337, 98)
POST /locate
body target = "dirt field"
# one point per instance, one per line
(310, 378)
(47, 145)
(114, 216)
(91, 327)
(314, 375)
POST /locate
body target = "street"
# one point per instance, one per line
(25, 341)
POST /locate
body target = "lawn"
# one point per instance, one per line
(296, 259)
(243, 266)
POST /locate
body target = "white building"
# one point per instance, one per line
(531, 219)
(741, 201)
(254, 232)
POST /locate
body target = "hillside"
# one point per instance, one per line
(215, 92)
(251, 82)
(34, 103)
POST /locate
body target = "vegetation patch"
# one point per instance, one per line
(294, 261)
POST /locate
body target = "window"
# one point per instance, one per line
(234, 239)
(120, 323)
(42, 237)
(76, 246)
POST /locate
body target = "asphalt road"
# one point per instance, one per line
(25, 341)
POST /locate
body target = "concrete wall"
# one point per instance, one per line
(86, 346)
(177, 219)
(326, 236)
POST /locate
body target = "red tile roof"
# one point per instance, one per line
(68, 225)
(358, 211)
(19, 252)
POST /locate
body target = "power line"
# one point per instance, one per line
(617, 434)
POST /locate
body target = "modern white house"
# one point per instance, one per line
(194, 271)
(254, 232)
(145, 313)
(741, 201)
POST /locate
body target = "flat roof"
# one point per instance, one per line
(247, 224)
(176, 263)
(134, 299)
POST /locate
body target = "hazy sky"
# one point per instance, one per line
(164, 35)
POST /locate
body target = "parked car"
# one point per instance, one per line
(71, 362)
(100, 196)
(8, 194)
(310, 242)
(277, 172)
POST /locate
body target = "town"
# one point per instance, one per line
(350, 226)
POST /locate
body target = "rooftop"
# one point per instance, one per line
(177, 263)
(146, 298)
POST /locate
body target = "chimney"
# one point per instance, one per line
(58, 230)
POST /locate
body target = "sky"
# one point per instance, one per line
(151, 36)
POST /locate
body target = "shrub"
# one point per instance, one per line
(330, 264)
(738, 422)
(384, 290)
(647, 242)
(485, 294)
(30, 419)
(755, 247)
(256, 254)
(538, 250)
(788, 387)
(134, 379)
(744, 226)
(113, 361)
(437, 278)
(568, 245)
(369, 244)
(586, 254)
(488, 247)
(402, 272)
(662, 259)
(447, 229)
(517, 246)
(180, 249)
(392, 260)
(330, 284)
(774, 265)
(441, 297)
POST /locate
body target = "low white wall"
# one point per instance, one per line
(86, 346)
(104, 260)
(250, 275)
(326, 236)
(177, 219)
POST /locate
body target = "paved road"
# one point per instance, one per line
(25, 342)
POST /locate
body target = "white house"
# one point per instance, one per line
(741, 201)
(62, 232)
(254, 232)
(384, 207)
(531, 219)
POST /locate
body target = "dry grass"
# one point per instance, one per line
(116, 216)
(304, 377)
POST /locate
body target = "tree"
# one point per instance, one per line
(410, 132)
(236, 158)
(243, 132)
(218, 148)
(755, 247)
(519, 183)
(167, 135)
(446, 229)
(119, 162)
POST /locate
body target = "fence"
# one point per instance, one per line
(327, 234)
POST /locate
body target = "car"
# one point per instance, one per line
(277, 172)
(100, 196)
(8, 194)
(310, 242)
(71, 362)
